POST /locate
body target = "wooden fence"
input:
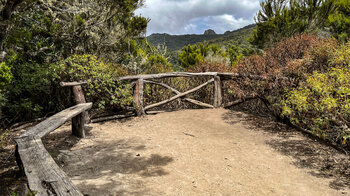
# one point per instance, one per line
(215, 77)
(139, 81)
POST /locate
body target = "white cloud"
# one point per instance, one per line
(190, 27)
(195, 16)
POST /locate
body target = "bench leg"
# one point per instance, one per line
(78, 123)
(19, 162)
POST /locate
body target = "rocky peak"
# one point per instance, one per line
(209, 32)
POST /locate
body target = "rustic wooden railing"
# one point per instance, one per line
(139, 81)
(217, 78)
(44, 176)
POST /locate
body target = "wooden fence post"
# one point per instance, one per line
(217, 92)
(138, 97)
(79, 121)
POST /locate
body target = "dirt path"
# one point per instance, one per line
(192, 152)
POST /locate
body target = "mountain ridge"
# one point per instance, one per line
(176, 42)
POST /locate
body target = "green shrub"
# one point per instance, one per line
(146, 59)
(341, 56)
(321, 104)
(339, 21)
(102, 89)
(5, 79)
(190, 56)
(5, 75)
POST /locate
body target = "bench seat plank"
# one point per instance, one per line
(55, 121)
(45, 177)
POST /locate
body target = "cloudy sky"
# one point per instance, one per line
(195, 16)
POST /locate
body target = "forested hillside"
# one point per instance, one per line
(176, 42)
(237, 37)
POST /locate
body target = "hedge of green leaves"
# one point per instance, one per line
(102, 89)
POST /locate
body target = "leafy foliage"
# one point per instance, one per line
(276, 59)
(279, 19)
(142, 58)
(5, 75)
(102, 88)
(340, 20)
(315, 97)
(322, 103)
(191, 56)
(39, 37)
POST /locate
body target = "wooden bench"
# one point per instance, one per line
(45, 177)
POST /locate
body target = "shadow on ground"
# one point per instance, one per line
(11, 179)
(57, 141)
(107, 167)
(307, 152)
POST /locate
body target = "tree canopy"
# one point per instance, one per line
(38, 34)
(278, 19)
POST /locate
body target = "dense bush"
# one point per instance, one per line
(276, 64)
(190, 56)
(321, 104)
(193, 56)
(5, 78)
(142, 58)
(275, 59)
(306, 83)
(102, 89)
(30, 94)
(35, 36)
(278, 19)
(5, 75)
(316, 94)
(214, 64)
(340, 20)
